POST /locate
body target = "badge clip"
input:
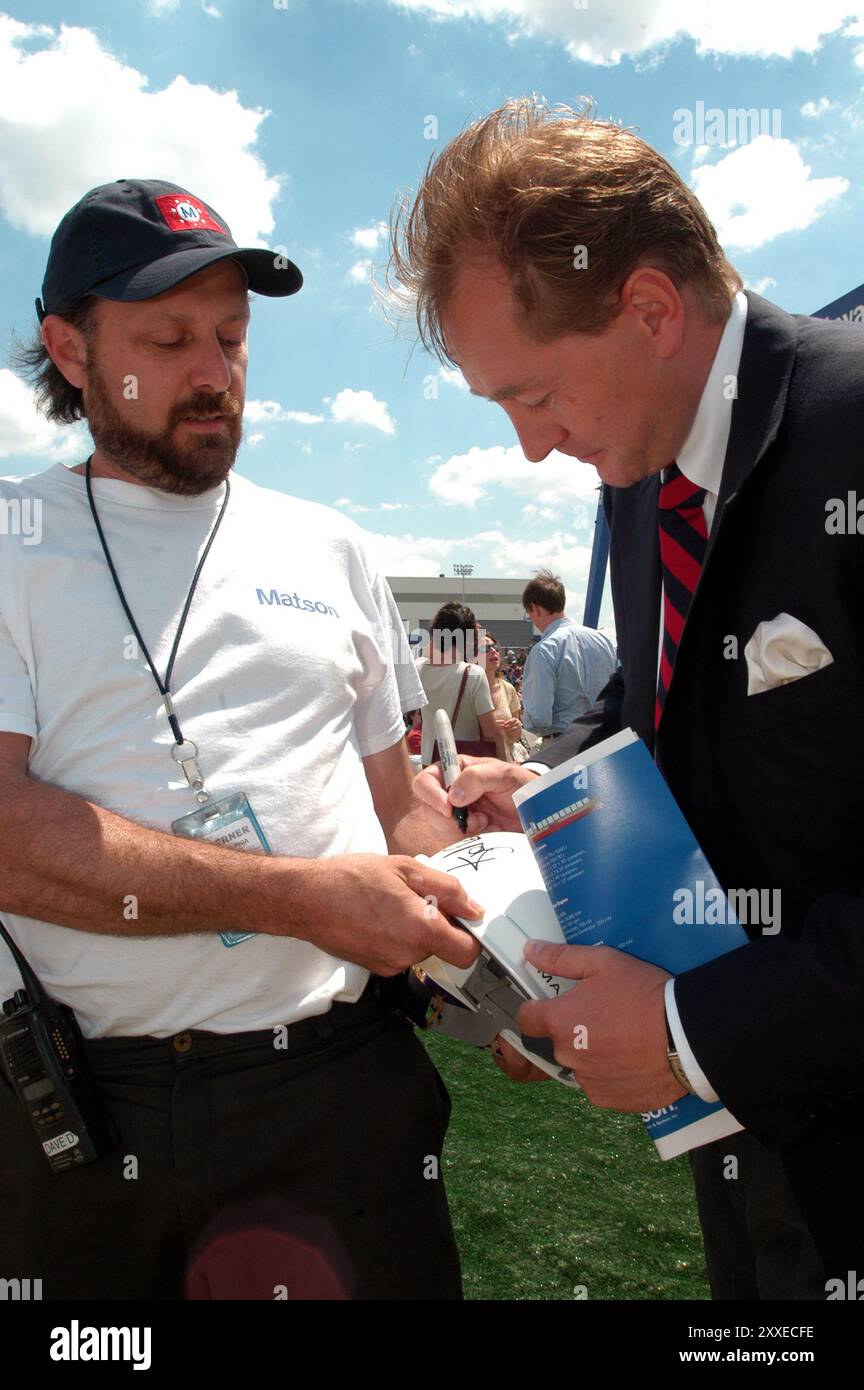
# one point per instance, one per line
(186, 754)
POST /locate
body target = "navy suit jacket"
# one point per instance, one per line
(773, 783)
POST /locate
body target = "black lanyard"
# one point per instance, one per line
(188, 763)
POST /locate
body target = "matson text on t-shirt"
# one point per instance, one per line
(294, 601)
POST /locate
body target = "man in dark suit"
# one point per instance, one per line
(728, 437)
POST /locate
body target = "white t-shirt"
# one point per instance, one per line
(284, 679)
(441, 681)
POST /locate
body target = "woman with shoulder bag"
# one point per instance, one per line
(457, 686)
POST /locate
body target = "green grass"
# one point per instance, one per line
(547, 1192)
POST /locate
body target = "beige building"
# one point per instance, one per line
(496, 603)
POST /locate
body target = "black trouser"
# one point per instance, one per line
(245, 1170)
(757, 1245)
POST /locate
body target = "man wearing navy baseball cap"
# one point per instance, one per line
(202, 769)
(120, 241)
(150, 247)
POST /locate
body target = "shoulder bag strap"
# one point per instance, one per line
(459, 699)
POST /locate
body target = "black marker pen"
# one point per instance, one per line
(450, 762)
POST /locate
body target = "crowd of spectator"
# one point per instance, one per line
(464, 671)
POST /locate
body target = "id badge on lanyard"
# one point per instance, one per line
(232, 822)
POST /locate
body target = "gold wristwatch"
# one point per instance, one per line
(675, 1063)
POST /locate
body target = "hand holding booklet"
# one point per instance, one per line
(622, 868)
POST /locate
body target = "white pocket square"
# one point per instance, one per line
(781, 651)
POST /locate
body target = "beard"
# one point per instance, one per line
(162, 460)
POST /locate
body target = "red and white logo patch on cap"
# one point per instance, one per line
(185, 214)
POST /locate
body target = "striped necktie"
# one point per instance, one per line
(683, 539)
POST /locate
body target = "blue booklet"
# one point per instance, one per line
(622, 868)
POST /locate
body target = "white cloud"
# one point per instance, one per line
(254, 439)
(560, 551)
(559, 481)
(368, 238)
(360, 408)
(301, 417)
(765, 282)
(24, 431)
(407, 554)
(451, 376)
(164, 7)
(604, 33)
(702, 153)
(761, 190)
(857, 29)
(853, 114)
(348, 506)
(815, 109)
(495, 555)
(271, 413)
(394, 506)
(72, 116)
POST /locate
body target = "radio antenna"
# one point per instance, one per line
(32, 984)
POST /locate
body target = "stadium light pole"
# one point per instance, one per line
(463, 570)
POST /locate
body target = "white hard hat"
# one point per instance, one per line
(499, 871)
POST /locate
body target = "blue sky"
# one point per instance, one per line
(299, 123)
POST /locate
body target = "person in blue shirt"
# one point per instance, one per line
(567, 668)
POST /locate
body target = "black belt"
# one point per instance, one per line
(379, 996)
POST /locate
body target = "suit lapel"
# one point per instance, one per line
(636, 584)
(767, 358)
(764, 372)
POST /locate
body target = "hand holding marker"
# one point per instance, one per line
(450, 768)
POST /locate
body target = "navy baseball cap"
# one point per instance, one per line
(137, 238)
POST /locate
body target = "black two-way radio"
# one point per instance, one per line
(42, 1051)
